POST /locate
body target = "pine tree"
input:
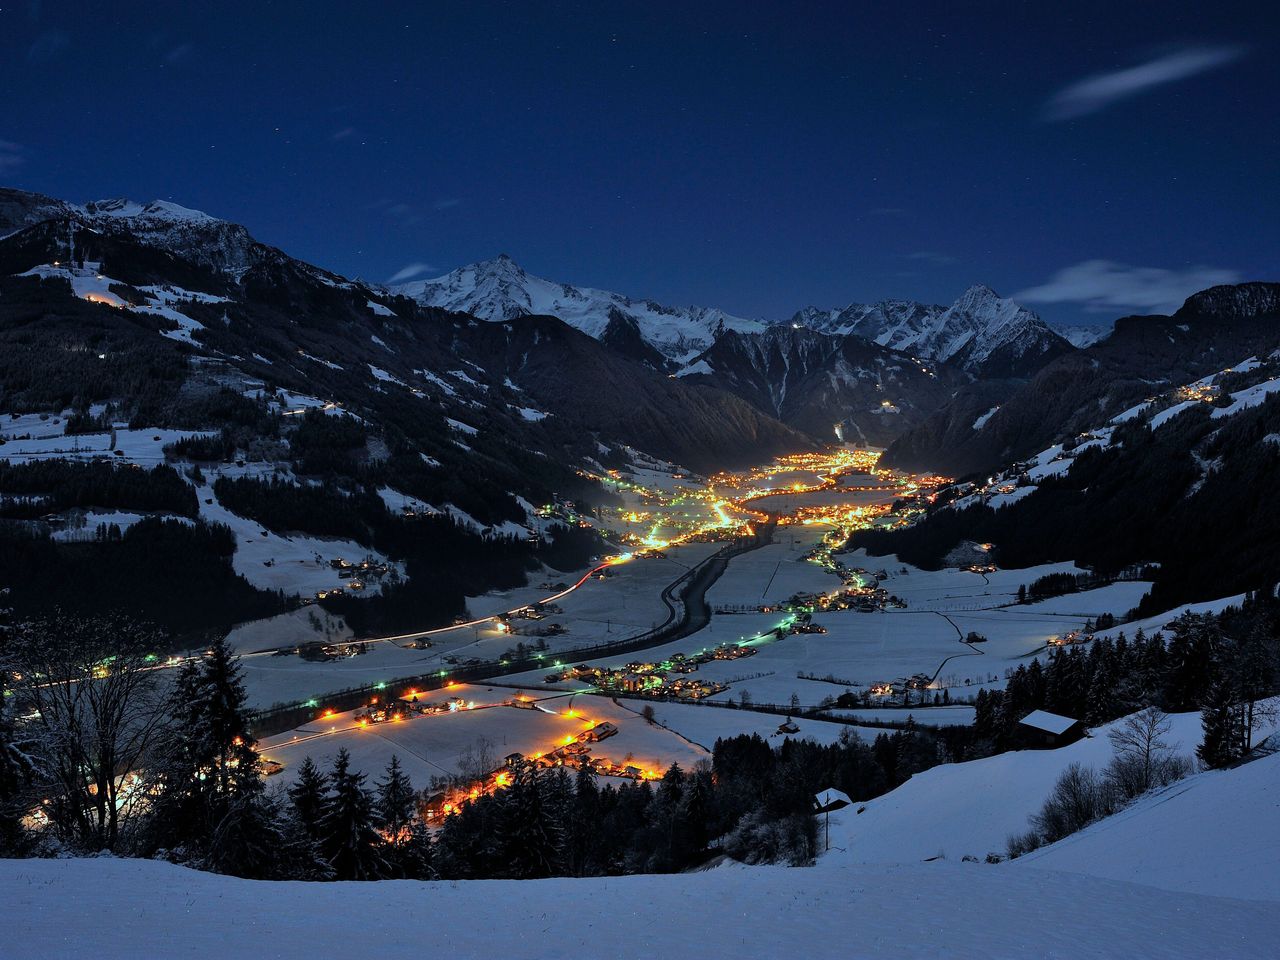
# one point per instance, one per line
(248, 840)
(310, 799)
(697, 810)
(1190, 656)
(209, 767)
(1218, 721)
(417, 854)
(530, 836)
(348, 837)
(394, 813)
(583, 825)
(226, 722)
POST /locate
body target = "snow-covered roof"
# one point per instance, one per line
(1048, 722)
(832, 799)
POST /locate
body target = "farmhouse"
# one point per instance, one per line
(1041, 729)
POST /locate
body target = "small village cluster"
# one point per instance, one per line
(573, 753)
(665, 679)
(357, 574)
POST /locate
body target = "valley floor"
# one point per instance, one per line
(127, 908)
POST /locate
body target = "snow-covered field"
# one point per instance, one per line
(144, 447)
(121, 909)
(860, 649)
(971, 809)
(1212, 833)
(831, 497)
(430, 746)
(627, 602)
(705, 725)
(921, 716)
(775, 572)
(296, 563)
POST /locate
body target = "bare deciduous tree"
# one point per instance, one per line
(97, 703)
(1142, 755)
(477, 761)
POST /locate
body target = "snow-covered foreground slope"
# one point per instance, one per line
(970, 809)
(128, 908)
(1216, 832)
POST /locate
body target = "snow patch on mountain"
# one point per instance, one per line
(1081, 336)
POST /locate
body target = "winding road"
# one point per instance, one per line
(687, 613)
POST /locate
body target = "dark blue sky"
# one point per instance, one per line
(1098, 158)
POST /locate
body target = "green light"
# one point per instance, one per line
(379, 686)
(311, 703)
(444, 673)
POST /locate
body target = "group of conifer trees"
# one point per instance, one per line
(1225, 665)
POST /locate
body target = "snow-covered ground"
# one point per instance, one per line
(971, 809)
(1212, 833)
(625, 603)
(120, 909)
(296, 563)
(144, 447)
(956, 715)
(861, 649)
(775, 572)
(83, 524)
(430, 746)
(705, 725)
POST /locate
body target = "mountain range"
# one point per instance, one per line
(980, 429)
(186, 282)
(960, 389)
(981, 332)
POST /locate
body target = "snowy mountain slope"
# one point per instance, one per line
(1143, 356)
(1216, 832)
(970, 809)
(866, 318)
(115, 909)
(818, 382)
(1248, 385)
(1082, 335)
(500, 289)
(981, 332)
(192, 235)
(208, 285)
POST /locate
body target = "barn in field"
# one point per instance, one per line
(1043, 730)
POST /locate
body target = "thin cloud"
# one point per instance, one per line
(12, 156)
(343, 133)
(887, 212)
(446, 203)
(178, 53)
(1103, 89)
(409, 271)
(1106, 286)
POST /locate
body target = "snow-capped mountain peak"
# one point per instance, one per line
(156, 210)
(500, 289)
(1083, 335)
(981, 332)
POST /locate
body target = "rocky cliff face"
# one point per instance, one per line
(831, 386)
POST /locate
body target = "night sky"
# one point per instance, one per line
(1094, 159)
